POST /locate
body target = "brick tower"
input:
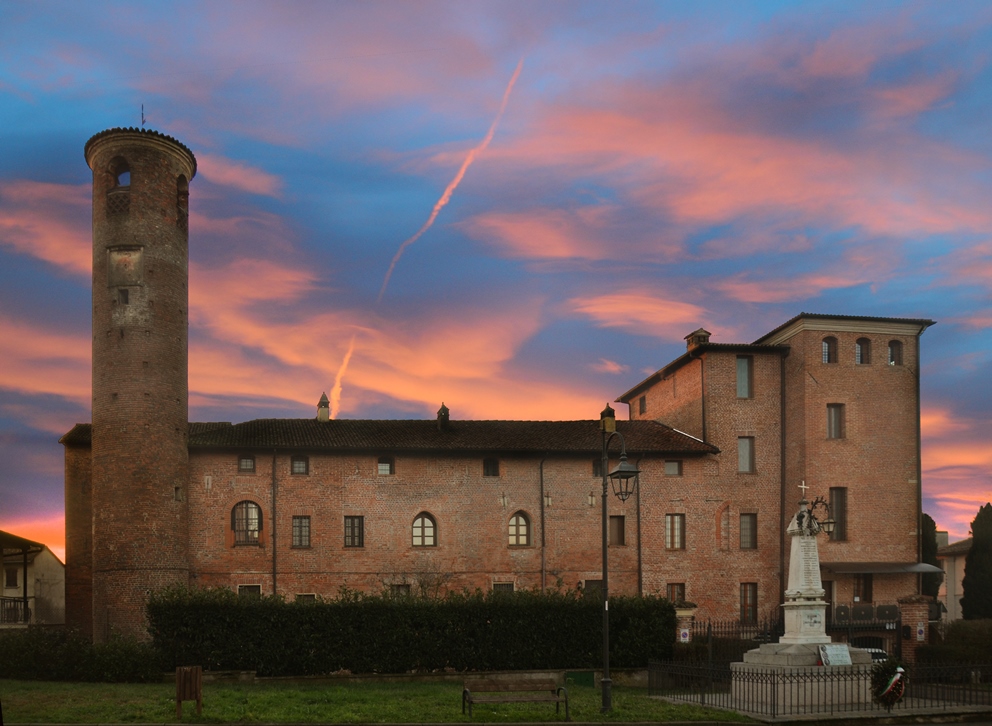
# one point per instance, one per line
(140, 455)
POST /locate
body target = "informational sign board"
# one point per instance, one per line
(835, 654)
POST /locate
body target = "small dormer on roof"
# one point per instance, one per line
(323, 408)
(697, 338)
(443, 416)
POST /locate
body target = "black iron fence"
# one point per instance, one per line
(818, 690)
(12, 610)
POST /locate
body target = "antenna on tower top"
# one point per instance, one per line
(142, 115)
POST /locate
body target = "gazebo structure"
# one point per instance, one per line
(17, 551)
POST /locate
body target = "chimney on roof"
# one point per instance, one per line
(697, 338)
(323, 408)
(442, 417)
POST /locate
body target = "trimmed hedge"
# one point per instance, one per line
(361, 633)
(965, 641)
(55, 654)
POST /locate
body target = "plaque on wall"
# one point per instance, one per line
(835, 654)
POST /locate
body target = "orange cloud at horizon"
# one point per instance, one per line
(49, 531)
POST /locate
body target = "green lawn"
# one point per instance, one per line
(296, 702)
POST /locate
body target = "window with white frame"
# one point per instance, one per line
(519, 530)
(675, 531)
(424, 531)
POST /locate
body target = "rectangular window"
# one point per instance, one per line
(617, 535)
(673, 468)
(749, 531)
(642, 404)
(246, 463)
(300, 465)
(593, 588)
(744, 367)
(597, 468)
(502, 587)
(675, 531)
(749, 603)
(838, 510)
(354, 531)
(301, 531)
(10, 577)
(306, 597)
(835, 420)
(745, 454)
(676, 592)
(862, 588)
(123, 296)
(399, 590)
(490, 467)
(250, 590)
(386, 466)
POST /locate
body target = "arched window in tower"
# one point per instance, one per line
(119, 193)
(895, 353)
(862, 351)
(519, 530)
(830, 349)
(182, 203)
(246, 521)
(424, 531)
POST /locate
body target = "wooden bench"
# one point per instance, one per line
(516, 690)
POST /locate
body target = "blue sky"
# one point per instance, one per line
(617, 175)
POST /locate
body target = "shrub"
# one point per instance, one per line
(56, 654)
(363, 633)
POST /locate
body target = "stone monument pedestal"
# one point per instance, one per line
(803, 673)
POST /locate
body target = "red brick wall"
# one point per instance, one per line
(139, 441)
(78, 541)
(471, 515)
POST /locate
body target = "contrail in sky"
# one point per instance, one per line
(335, 398)
(446, 196)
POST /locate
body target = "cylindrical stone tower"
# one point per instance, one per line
(140, 464)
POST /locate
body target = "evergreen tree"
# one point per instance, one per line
(976, 602)
(931, 580)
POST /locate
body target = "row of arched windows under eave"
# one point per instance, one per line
(862, 351)
(246, 523)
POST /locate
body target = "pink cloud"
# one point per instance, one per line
(224, 172)
(609, 366)
(40, 360)
(50, 222)
(783, 289)
(642, 313)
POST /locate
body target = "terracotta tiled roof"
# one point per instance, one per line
(562, 437)
(955, 548)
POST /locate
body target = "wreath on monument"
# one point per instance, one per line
(888, 683)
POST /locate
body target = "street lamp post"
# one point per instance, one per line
(624, 479)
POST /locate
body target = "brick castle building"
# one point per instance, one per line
(723, 435)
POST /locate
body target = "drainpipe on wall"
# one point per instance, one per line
(640, 553)
(275, 541)
(782, 477)
(544, 571)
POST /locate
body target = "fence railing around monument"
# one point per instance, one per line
(818, 690)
